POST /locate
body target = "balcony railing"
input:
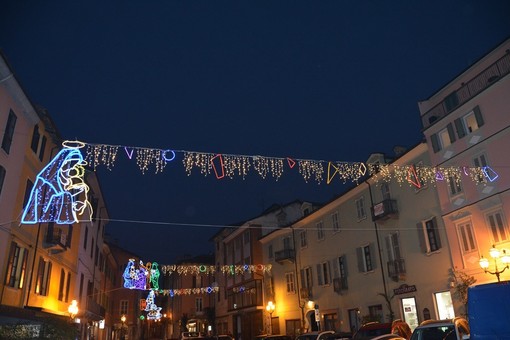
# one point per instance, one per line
(396, 269)
(244, 296)
(95, 309)
(468, 90)
(385, 209)
(285, 255)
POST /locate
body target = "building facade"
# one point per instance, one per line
(44, 263)
(466, 123)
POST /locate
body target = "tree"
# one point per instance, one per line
(462, 282)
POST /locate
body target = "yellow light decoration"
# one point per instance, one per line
(210, 269)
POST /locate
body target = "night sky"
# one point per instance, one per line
(322, 80)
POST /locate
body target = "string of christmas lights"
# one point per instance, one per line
(209, 269)
(230, 166)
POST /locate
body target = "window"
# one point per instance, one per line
(198, 304)
(428, 234)
(323, 274)
(28, 191)
(61, 287)
(289, 278)
(335, 221)
(376, 313)
(270, 251)
(86, 238)
(497, 227)
(454, 185)
(396, 264)
(287, 243)
(43, 147)
(124, 304)
(42, 283)
(68, 286)
(480, 162)
(35, 139)
(302, 238)
(9, 132)
(365, 258)
(306, 277)
(2, 177)
(393, 247)
(360, 208)
(342, 267)
(385, 191)
(466, 236)
(16, 267)
(443, 138)
(469, 122)
(320, 230)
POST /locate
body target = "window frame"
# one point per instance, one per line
(290, 282)
(361, 212)
(8, 137)
(303, 239)
(465, 241)
(320, 230)
(335, 221)
(499, 228)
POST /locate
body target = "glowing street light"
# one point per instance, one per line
(73, 309)
(496, 254)
(123, 330)
(270, 308)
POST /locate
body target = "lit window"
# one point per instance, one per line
(289, 277)
(16, 267)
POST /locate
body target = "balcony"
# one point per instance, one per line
(384, 210)
(94, 310)
(306, 293)
(397, 269)
(245, 296)
(56, 239)
(468, 90)
(285, 256)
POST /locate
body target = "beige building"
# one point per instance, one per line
(377, 252)
(46, 264)
(466, 123)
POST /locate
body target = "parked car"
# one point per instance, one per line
(315, 335)
(388, 337)
(449, 329)
(224, 337)
(339, 336)
(273, 337)
(371, 330)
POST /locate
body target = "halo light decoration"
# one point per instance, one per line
(60, 193)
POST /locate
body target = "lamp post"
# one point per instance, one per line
(270, 308)
(73, 309)
(122, 330)
(496, 254)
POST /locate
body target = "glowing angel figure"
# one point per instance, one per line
(154, 276)
(59, 193)
(129, 274)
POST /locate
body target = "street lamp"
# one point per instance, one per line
(122, 330)
(270, 308)
(495, 254)
(73, 309)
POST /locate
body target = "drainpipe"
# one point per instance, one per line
(378, 242)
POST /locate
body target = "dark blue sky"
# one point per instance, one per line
(323, 80)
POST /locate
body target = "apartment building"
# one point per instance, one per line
(45, 257)
(376, 253)
(242, 299)
(467, 124)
